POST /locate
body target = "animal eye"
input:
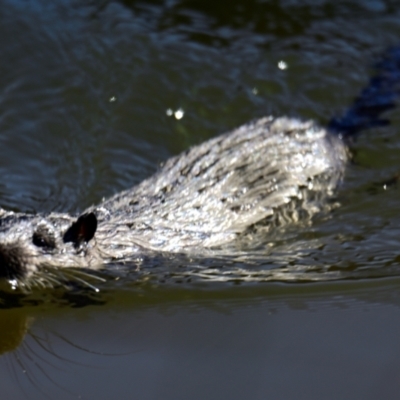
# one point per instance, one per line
(43, 237)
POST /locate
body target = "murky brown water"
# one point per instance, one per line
(85, 91)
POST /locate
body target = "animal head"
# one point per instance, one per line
(31, 243)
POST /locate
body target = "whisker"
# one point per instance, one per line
(89, 275)
(85, 283)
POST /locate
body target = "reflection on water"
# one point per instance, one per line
(173, 342)
(256, 23)
(31, 355)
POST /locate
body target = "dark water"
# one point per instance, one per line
(86, 92)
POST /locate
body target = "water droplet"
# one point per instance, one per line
(282, 65)
(179, 113)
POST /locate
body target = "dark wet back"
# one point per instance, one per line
(94, 95)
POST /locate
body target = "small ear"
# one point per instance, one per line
(82, 230)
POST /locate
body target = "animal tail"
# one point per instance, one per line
(379, 96)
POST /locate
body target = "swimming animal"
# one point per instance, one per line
(267, 172)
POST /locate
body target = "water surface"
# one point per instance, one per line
(90, 104)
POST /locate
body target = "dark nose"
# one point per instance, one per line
(12, 261)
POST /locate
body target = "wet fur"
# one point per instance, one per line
(204, 198)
